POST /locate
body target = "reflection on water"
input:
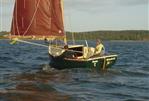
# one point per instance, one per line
(35, 87)
(22, 77)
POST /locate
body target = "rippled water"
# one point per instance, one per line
(22, 78)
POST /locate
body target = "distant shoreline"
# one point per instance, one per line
(141, 35)
(125, 35)
(103, 40)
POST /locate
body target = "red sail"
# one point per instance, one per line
(38, 18)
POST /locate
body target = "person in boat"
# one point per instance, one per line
(46, 41)
(66, 47)
(68, 53)
(99, 49)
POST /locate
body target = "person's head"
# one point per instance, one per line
(45, 38)
(98, 41)
(66, 47)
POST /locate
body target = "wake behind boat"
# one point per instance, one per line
(43, 20)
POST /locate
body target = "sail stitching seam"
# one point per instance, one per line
(32, 18)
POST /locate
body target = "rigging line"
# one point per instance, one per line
(62, 14)
(62, 10)
(32, 18)
(72, 33)
(12, 31)
(12, 27)
(32, 43)
(16, 20)
(41, 45)
(56, 17)
(50, 20)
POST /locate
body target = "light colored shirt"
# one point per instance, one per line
(99, 49)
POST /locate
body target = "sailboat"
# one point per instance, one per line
(43, 20)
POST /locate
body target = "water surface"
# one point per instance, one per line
(22, 78)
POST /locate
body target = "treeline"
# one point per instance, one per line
(110, 35)
(104, 35)
(3, 33)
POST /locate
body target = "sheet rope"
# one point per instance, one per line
(41, 45)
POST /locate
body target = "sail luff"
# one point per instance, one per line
(62, 8)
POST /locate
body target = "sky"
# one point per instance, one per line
(90, 15)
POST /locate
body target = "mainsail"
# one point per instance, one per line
(38, 19)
